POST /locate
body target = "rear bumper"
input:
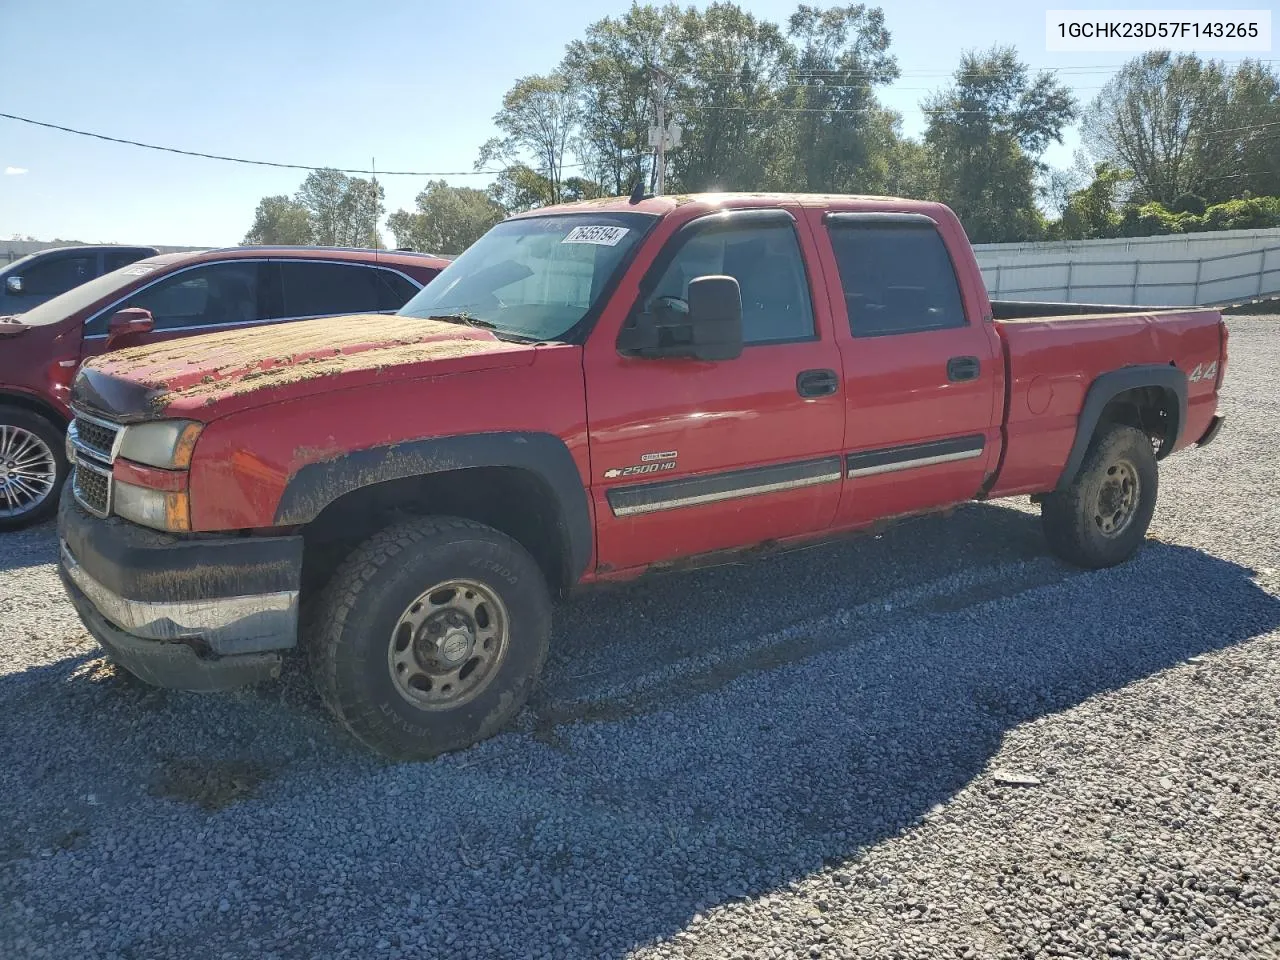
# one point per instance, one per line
(1215, 425)
(186, 613)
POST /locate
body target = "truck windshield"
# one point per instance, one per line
(533, 278)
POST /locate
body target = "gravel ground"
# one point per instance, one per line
(936, 742)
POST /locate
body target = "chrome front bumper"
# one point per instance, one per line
(228, 625)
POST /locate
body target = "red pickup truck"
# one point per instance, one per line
(589, 392)
(161, 298)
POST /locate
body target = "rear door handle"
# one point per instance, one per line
(817, 383)
(963, 368)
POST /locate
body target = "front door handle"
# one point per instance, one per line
(817, 383)
(963, 368)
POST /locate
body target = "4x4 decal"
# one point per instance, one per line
(1203, 372)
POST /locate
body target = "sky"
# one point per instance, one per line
(401, 84)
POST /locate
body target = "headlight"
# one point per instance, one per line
(165, 443)
(159, 509)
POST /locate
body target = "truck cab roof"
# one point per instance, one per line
(704, 202)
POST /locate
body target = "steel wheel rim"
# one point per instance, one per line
(28, 470)
(448, 644)
(1117, 501)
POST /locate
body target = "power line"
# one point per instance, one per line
(1247, 173)
(257, 163)
(1029, 69)
(1252, 126)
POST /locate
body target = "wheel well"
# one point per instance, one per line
(513, 500)
(1153, 410)
(25, 402)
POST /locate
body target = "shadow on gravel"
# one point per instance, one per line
(764, 721)
(31, 547)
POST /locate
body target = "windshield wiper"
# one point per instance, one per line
(463, 318)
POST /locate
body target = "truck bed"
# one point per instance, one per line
(1055, 351)
(1038, 309)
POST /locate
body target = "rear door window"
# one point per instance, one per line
(319, 289)
(115, 259)
(56, 275)
(897, 278)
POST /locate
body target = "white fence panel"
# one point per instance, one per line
(1211, 269)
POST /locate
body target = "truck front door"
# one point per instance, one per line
(689, 457)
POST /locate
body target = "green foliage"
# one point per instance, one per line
(1091, 212)
(761, 107)
(1255, 213)
(280, 220)
(987, 133)
(1189, 203)
(330, 209)
(1186, 126)
(793, 106)
(343, 210)
(539, 117)
(1153, 219)
(611, 68)
(447, 219)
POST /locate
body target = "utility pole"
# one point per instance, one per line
(661, 137)
(661, 94)
(373, 169)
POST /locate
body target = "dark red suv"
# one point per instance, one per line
(159, 298)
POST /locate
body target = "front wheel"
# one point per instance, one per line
(430, 636)
(1102, 517)
(33, 467)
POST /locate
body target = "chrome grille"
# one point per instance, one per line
(92, 487)
(94, 437)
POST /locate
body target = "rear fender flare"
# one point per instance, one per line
(317, 485)
(1106, 388)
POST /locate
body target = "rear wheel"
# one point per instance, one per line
(33, 467)
(1103, 516)
(430, 636)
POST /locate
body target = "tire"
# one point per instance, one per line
(1100, 520)
(35, 445)
(389, 671)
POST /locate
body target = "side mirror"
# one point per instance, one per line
(13, 284)
(706, 327)
(127, 322)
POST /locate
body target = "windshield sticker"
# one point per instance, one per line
(599, 235)
(138, 271)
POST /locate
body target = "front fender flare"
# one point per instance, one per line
(1105, 388)
(319, 484)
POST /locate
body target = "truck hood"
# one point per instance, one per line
(208, 376)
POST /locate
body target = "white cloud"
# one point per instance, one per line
(14, 171)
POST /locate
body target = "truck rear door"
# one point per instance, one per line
(923, 378)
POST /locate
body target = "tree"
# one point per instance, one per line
(344, 211)
(841, 56)
(539, 118)
(1155, 118)
(280, 220)
(761, 106)
(1253, 97)
(447, 219)
(728, 68)
(987, 133)
(612, 71)
(1092, 211)
(330, 209)
(519, 188)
